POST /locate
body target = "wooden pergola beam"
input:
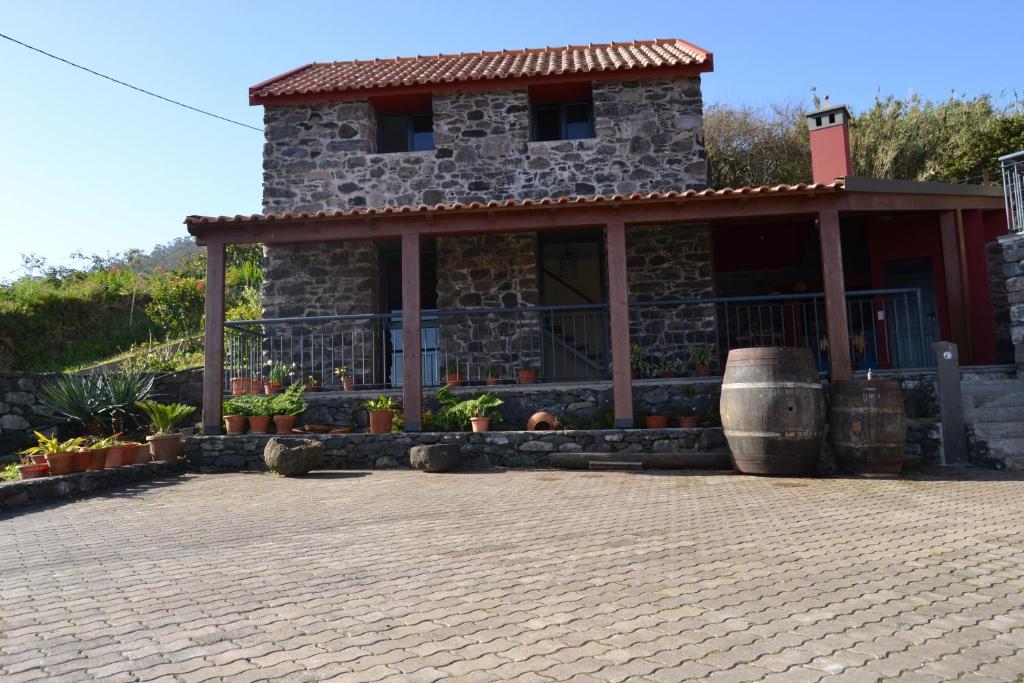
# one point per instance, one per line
(835, 296)
(412, 373)
(618, 314)
(213, 340)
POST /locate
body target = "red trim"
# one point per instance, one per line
(277, 78)
(502, 83)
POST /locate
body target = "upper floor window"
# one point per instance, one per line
(405, 132)
(562, 112)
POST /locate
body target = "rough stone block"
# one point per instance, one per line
(435, 458)
(293, 457)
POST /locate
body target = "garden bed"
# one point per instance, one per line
(30, 491)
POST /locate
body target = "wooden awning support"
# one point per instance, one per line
(618, 313)
(835, 295)
(213, 340)
(412, 373)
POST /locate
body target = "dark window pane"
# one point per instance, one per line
(393, 132)
(422, 132)
(547, 123)
(577, 122)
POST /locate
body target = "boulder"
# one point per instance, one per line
(442, 457)
(293, 457)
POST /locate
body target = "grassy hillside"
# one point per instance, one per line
(55, 319)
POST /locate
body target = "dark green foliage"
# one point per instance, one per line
(100, 401)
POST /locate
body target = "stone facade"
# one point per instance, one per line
(648, 137)
(487, 271)
(666, 262)
(1012, 247)
(997, 275)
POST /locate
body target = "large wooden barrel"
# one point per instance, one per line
(868, 427)
(773, 410)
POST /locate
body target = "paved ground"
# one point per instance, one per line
(521, 575)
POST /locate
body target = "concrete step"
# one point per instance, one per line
(1006, 449)
(1001, 386)
(994, 414)
(682, 460)
(614, 465)
(987, 431)
(983, 401)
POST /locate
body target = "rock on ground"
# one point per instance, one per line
(293, 457)
(442, 457)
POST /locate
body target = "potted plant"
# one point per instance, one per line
(702, 357)
(164, 442)
(235, 411)
(97, 450)
(260, 412)
(278, 372)
(687, 418)
(636, 360)
(239, 386)
(32, 470)
(451, 374)
(670, 369)
(140, 453)
(312, 384)
(656, 421)
(527, 374)
(344, 375)
(480, 410)
(118, 453)
(382, 412)
(285, 407)
(56, 454)
(493, 376)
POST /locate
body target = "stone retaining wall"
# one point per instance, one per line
(30, 491)
(1012, 247)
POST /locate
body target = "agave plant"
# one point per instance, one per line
(122, 391)
(98, 401)
(163, 416)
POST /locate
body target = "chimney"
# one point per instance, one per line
(830, 143)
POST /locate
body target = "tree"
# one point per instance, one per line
(756, 146)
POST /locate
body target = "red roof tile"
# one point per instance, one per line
(338, 77)
(726, 193)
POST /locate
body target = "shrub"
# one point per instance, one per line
(177, 305)
(163, 417)
(98, 401)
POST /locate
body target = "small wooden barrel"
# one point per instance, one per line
(773, 410)
(868, 428)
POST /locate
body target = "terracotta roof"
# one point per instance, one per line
(338, 77)
(726, 193)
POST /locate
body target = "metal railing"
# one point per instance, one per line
(888, 329)
(1012, 166)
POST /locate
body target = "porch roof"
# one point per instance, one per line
(844, 194)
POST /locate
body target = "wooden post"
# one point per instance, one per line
(951, 231)
(618, 308)
(213, 341)
(835, 295)
(412, 373)
(951, 411)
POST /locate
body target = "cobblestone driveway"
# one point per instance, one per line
(519, 575)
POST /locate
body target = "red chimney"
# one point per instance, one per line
(830, 143)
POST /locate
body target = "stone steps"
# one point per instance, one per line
(999, 430)
(994, 411)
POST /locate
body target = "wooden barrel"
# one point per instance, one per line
(868, 427)
(773, 410)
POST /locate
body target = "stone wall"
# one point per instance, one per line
(997, 274)
(648, 137)
(488, 271)
(1012, 247)
(22, 411)
(667, 262)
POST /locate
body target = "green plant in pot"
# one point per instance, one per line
(527, 374)
(235, 411)
(480, 411)
(452, 376)
(492, 376)
(702, 357)
(260, 409)
(277, 374)
(57, 455)
(164, 442)
(344, 375)
(636, 360)
(286, 407)
(382, 412)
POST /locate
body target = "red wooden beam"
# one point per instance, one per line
(835, 295)
(412, 374)
(951, 231)
(618, 310)
(213, 368)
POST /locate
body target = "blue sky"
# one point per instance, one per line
(88, 165)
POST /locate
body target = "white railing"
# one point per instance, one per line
(1013, 189)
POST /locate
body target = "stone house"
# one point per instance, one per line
(480, 214)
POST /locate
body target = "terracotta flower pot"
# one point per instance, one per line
(80, 461)
(656, 421)
(97, 459)
(348, 384)
(453, 379)
(165, 447)
(380, 421)
(542, 421)
(491, 381)
(311, 388)
(284, 423)
(256, 386)
(634, 373)
(527, 376)
(271, 388)
(480, 424)
(239, 386)
(116, 456)
(703, 371)
(235, 424)
(33, 471)
(141, 454)
(688, 422)
(60, 463)
(39, 459)
(258, 424)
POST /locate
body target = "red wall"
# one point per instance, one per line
(980, 228)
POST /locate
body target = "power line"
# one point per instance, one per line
(129, 85)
